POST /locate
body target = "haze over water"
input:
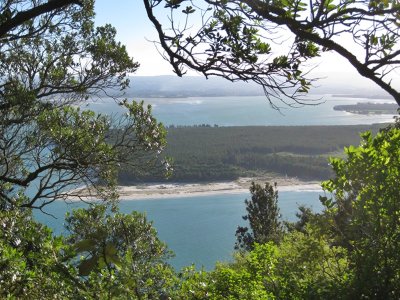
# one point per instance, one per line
(250, 110)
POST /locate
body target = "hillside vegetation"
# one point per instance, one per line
(205, 153)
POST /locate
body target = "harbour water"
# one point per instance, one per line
(201, 229)
(246, 111)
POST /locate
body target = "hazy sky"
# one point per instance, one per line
(133, 27)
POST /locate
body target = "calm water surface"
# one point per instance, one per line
(201, 229)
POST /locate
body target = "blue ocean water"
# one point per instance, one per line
(246, 111)
(201, 229)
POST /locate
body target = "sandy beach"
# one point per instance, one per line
(174, 190)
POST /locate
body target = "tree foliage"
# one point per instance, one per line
(124, 249)
(31, 263)
(303, 266)
(18, 21)
(104, 256)
(52, 60)
(365, 210)
(269, 42)
(263, 216)
(49, 64)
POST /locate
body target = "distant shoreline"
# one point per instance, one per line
(369, 108)
(377, 97)
(179, 190)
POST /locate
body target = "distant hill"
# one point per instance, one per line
(170, 86)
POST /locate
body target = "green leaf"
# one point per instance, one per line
(85, 245)
(110, 249)
(87, 266)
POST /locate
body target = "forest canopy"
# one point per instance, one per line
(204, 153)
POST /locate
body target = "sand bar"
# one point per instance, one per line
(175, 190)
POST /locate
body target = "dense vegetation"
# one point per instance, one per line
(52, 57)
(205, 153)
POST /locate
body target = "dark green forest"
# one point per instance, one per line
(205, 153)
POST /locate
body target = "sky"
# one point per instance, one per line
(135, 31)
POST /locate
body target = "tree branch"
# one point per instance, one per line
(34, 12)
(303, 32)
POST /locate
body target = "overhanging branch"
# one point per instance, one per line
(22, 17)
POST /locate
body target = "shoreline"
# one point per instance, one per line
(148, 191)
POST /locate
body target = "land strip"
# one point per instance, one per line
(204, 154)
